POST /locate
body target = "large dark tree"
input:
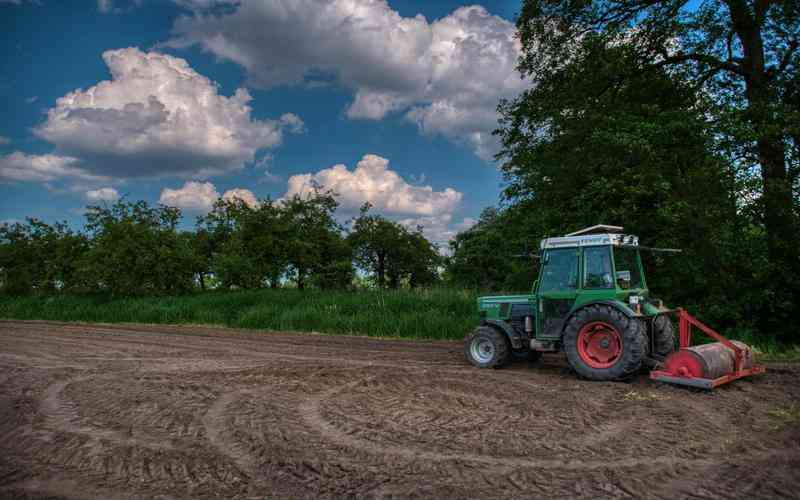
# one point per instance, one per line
(743, 53)
(612, 139)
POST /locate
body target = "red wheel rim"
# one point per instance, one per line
(599, 344)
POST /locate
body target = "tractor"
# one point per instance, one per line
(592, 302)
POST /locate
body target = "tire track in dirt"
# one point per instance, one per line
(311, 412)
(216, 433)
(63, 415)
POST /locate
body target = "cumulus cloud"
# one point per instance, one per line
(158, 117)
(200, 196)
(390, 195)
(21, 167)
(193, 196)
(373, 181)
(102, 194)
(447, 76)
(244, 195)
(439, 229)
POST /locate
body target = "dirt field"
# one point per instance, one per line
(91, 411)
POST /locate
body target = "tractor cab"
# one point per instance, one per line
(585, 267)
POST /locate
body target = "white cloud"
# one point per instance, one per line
(193, 196)
(158, 117)
(19, 166)
(32, 99)
(372, 181)
(245, 195)
(447, 75)
(102, 194)
(439, 229)
(200, 196)
(4, 140)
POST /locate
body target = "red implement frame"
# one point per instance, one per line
(685, 323)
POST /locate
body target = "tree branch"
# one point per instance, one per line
(703, 58)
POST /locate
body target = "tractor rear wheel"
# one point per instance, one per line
(602, 343)
(485, 347)
(663, 337)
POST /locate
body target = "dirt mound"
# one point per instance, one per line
(94, 411)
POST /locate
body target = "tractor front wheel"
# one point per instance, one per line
(602, 343)
(485, 347)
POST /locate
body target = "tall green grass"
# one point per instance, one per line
(424, 314)
(415, 314)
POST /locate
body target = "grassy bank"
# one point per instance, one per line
(429, 314)
(424, 314)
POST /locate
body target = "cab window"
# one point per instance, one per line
(627, 264)
(560, 271)
(597, 268)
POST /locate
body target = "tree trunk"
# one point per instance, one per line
(381, 271)
(770, 147)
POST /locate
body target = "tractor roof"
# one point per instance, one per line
(600, 234)
(597, 229)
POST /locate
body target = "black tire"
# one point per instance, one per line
(630, 333)
(663, 337)
(485, 347)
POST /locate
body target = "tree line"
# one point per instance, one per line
(134, 249)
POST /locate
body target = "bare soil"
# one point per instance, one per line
(141, 411)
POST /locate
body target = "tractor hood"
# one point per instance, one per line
(498, 306)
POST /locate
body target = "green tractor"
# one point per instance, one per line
(590, 300)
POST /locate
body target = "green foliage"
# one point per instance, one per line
(419, 314)
(391, 252)
(316, 249)
(680, 125)
(37, 257)
(246, 247)
(136, 250)
(494, 254)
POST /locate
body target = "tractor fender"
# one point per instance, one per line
(620, 306)
(513, 336)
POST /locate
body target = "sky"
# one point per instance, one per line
(183, 101)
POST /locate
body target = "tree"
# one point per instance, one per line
(35, 256)
(497, 253)
(391, 252)
(610, 139)
(316, 250)
(137, 250)
(744, 53)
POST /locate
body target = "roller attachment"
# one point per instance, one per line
(709, 365)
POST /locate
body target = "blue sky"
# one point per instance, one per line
(405, 104)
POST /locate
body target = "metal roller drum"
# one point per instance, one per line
(708, 361)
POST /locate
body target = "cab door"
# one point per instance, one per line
(557, 290)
